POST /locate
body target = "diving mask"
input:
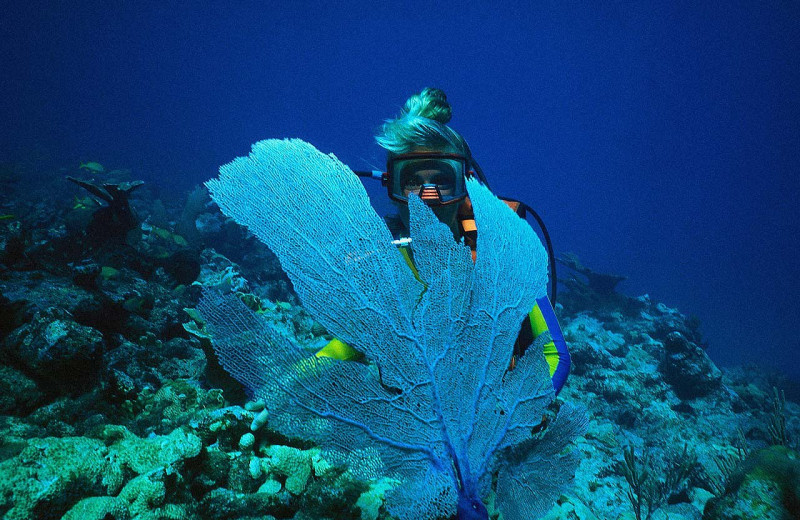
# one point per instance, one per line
(437, 178)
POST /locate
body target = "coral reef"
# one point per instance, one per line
(110, 408)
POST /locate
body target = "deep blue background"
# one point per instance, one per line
(659, 141)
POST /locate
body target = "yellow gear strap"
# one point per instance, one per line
(468, 225)
(406, 251)
(538, 327)
(338, 349)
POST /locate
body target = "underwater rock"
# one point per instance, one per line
(144, 493)
(600, 283)
(29, 292)
(766, 486)
(18, 393)
(99, 508)
(142, 497)
(127, 304)
(592, 345)
(240, 473)
(338, 498)
(60, 353)
(183, 266)
(156, 451)
(147, 400)
(664, 321)
(13, 247)
(162, 249)
(210, 223)
(51, 474)
(593, 292)
(84, 274)
(175, 404)
(13, 313)
(688, 369)
(212, 470)
(225, 504)
(222, 427)
(67, 416)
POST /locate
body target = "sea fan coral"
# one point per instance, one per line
(437, 405)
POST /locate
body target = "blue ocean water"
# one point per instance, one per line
(659, 141)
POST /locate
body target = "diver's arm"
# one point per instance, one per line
(338, 349)
(543, 319)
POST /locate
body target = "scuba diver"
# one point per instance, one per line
(428, 158)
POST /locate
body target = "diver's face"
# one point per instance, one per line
(437, 178)
(414, 180)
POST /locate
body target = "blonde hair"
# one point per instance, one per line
(422, 124)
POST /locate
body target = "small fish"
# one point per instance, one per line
(161, 232)
(8, 217)
(84, 203)
(166, 235)
(108, 272)
(94, 167)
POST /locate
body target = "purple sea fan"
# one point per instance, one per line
(436, 406)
